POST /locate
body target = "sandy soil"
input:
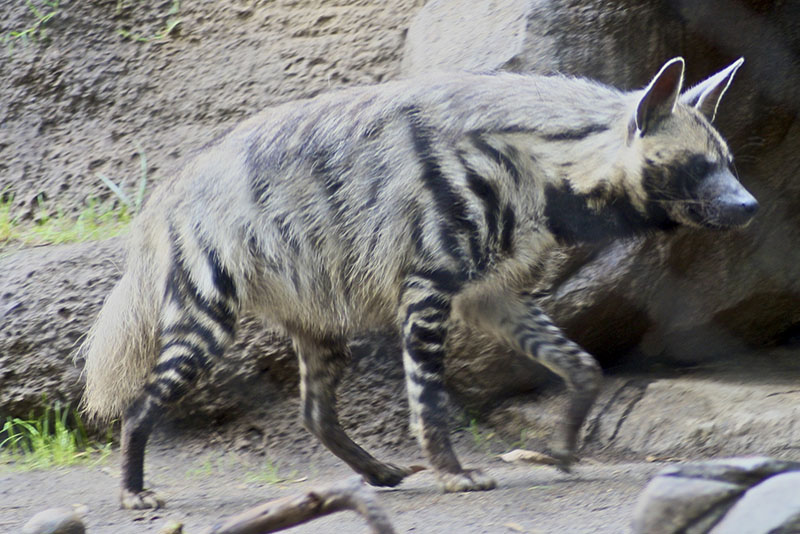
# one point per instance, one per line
(204, 484)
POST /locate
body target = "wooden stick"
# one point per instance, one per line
(350, 494)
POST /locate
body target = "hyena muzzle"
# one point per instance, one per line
(408, 203)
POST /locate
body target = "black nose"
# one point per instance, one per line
(738, 210)
(750, 207)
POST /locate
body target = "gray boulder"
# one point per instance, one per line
(55, 521)
(733, 496)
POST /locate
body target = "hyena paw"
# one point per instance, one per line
(467, 480)
(564, 459)
(130, 500)
(388, 475)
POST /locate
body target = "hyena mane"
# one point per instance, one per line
(401, 204)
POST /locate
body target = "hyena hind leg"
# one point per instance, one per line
(521, 323)
(426, 312)
(195, 330)
(321, 366)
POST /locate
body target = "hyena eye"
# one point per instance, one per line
(698, 167)
(691, 172)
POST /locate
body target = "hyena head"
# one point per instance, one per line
(687, 173)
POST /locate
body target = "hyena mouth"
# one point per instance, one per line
(722, 202)
(721, 215)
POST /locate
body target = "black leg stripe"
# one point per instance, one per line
(193, 350)
(427, 335)
(181, 362)
(424, 354)
(179, 330)
(431, 396)
(433, 304)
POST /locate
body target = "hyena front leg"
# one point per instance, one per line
(425, 314)
(321, 367)
(521, 323)
(195, 330)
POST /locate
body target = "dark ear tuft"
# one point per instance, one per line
(659, 97)
(706, 95)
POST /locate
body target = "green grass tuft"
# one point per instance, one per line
(52, 227)
(36, 31)
(56, 438)
(172, 22)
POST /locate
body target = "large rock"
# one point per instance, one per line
(692, 296)
(732, 496)
(55, 521)
(722, 413)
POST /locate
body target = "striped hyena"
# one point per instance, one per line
(406, 204)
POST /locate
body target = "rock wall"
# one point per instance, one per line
(81, 100)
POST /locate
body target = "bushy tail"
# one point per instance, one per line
(122, 346)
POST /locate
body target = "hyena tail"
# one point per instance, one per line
(122, 345)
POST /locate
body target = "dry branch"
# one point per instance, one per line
(350, 494)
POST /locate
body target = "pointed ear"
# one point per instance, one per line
(659, 97)
(706, 95)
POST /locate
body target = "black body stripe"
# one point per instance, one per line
(509, 224)
(328, 175)
(487, 194)
(417, 235)
(256, 167)
(448, 202)
(575, 135)
(222, 279)
(283, 228)
(501, 159)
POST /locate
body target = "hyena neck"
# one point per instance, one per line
(583, 188)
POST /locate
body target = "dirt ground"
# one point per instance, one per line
(203, 484)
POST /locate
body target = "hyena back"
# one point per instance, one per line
(407, 204)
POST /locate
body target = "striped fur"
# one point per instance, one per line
(405, 204)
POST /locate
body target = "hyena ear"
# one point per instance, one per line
(706, 95)
(659, 97)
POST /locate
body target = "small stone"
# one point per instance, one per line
(172, 527)
(55, 521)
(529, 457)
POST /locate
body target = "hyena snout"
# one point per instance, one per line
(723, 202)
